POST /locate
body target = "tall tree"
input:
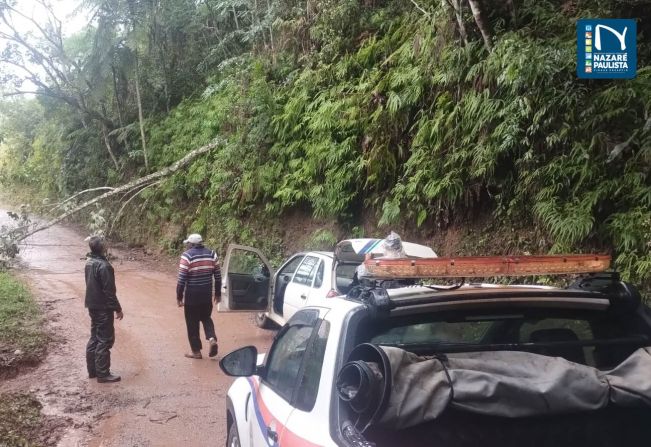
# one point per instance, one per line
(43, 62)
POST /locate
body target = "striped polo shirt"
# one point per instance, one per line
(197, 269)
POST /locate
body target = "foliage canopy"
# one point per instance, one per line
(341, 107)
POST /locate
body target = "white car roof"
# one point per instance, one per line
(412, 291)
(328, 254)
(338, 304)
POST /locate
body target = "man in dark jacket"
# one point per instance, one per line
(102, 304)
(194, 292)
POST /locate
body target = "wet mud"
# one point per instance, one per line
(164, 399)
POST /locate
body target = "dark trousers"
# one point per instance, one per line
(102, 337)
(195, 314)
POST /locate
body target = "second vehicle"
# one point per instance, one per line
(250, 283)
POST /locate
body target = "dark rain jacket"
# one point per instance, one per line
(100, 284)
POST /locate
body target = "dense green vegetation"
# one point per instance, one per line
(22, 340)
(383, 111)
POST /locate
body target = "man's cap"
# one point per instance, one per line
(193, 239)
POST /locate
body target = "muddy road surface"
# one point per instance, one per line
(164, 399)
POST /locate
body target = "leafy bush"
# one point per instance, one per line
(20, 321)
(321, 240)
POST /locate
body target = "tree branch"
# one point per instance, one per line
(55, 66)
(107, 142)
(44, 33)
(85, 191)
(131, 186)
(475, 7)
(46, 62)
(420, 9)
(22, 92)
(141, 120)
(124, 205)
(458, 13)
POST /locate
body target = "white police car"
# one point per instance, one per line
(304, 279)
(461, 365)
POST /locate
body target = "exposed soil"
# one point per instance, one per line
(164, 399)
(12, 363)
(21, 422)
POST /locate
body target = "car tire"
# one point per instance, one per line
(264, 322)
(233, 436)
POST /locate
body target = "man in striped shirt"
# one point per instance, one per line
(194, 292)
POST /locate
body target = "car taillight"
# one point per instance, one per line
(333, 293)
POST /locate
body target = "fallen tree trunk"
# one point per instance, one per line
(147, 180)
(77, 194)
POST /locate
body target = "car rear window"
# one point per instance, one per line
(344, 274)
(438, 331)
(595, 338)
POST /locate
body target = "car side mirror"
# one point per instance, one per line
(285, 278)
(240, 363)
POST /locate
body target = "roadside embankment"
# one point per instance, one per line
(22, 340)
(22, 344)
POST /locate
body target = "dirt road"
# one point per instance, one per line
(164, 399)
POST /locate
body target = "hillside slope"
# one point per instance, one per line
(469, 131)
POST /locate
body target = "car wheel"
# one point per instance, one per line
(262, 321)
(233, 436)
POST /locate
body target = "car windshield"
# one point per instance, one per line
(595, 338)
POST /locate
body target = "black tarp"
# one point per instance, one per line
(508, 384)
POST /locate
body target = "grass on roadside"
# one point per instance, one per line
(20, 420)
(21, 343)
(21, 336)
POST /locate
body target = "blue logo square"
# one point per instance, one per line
(613, 50)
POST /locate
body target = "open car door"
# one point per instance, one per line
(246, 280)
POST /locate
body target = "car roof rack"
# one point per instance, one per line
(378, 273)
(483, 266)
(623, 295)
(596, 282)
